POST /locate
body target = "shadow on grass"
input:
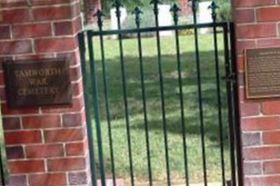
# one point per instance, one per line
(171, 93)
(154, 114)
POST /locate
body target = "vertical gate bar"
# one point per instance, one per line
(236, 107)
(2, 171)
(156, 2)
(87, 107)
(213, 6)
(229, 101)
(123, 74)
(137, 12)
(106, 95)
(175, 10)
(194, 9)
(96, 107)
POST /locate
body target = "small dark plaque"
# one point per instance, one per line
(38, 83)
(262, 73)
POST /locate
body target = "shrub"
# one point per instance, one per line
(224, 12)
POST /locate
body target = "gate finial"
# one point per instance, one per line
(194, 4)
(214, 7)
(100, 16)
(117, 4)
(155, 3)
(175, 9)
(137, 11)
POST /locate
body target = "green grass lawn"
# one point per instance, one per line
(171, 89)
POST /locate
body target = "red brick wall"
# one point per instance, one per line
(45, 145)
(257, 25)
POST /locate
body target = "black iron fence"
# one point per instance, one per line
(99, 93)
(2, 171)
(3, 158)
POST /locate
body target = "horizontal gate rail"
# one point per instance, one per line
(155, 29)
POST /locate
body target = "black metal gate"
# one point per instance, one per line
(3, 159)
(2, 170)
(204, 92)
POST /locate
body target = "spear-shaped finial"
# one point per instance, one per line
(137, 11)
(194, 4)
(117, 4)
(155, 3)
(100, 16)
(175, 9)
(214, 7)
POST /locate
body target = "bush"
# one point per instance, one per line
(224, 12)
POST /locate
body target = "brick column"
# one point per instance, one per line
(45, 145)
(257, 25)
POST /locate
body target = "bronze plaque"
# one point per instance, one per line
(262, 73)
(38, 83)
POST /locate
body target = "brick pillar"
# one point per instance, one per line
(45, 145)
(257, 25)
